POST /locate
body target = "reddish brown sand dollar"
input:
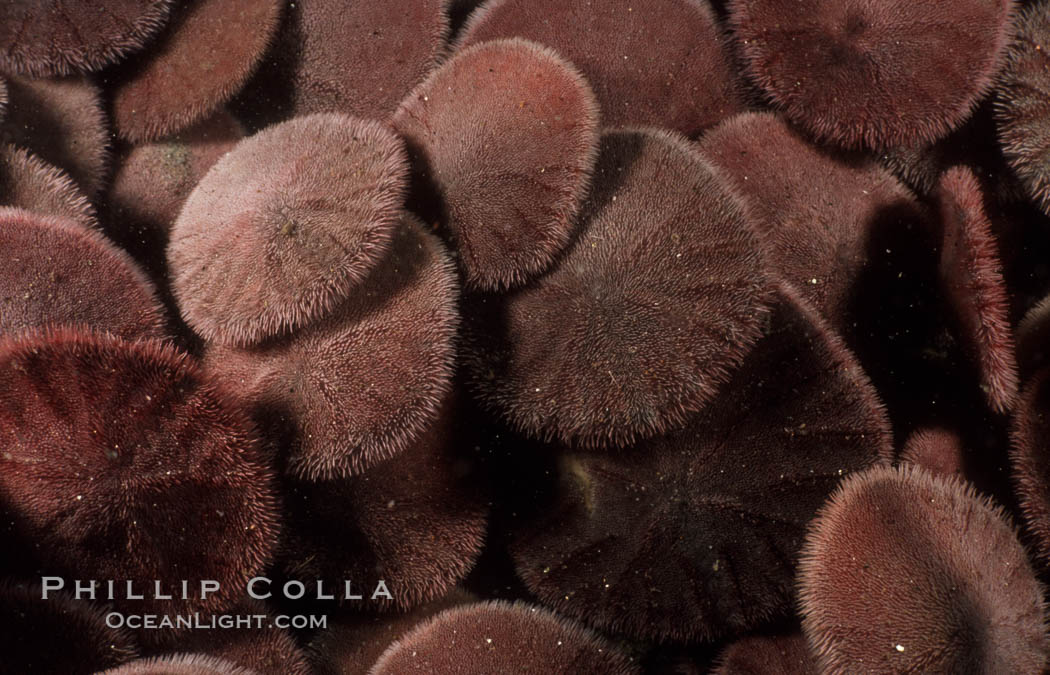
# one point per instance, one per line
(62, 122)
(497, 637)
(658, 299)
(875, 74)
(507, 132)
(153, 180)
(353, 642)
(1023, 102)
(1030, 457)
(282, 228)
(260, 647)
(971, 274)
(361, 385)
(415, 521)
(782, 655)
(1033, 338)
(58, 273)
(28, 182)
(907, 572)
(693, 535)
(202, 60)
(123, 461)
(816, 213)
(44, 38)
(35, 625)
(181, 664)
(938, 451)
(659, 63)
(359, 58)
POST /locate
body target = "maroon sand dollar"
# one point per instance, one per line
(971, 274)
(693, 535)
(44, 38)
(659, 297)
(1023, 103)
(759, 655)
(28, 182)
(281, 229)
(359, 58)
(58, 273)
(208, 52)
(38, 620)
(507, 132)
(815, 212)
(61, 121)
(181, 664)
(364, 383)
(123, 461)
(907, 572)
(415, 521)
(499, 637)
(870, 74)
(662, 63)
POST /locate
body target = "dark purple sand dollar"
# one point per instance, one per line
(643, 318)
(506, 133)
(815, 212)
(1023, 102)
(204, 57)
(694, 535)
(415, 521)
(857, 73)
(44, 38)
(498, 637)
(780, 655)
(906, 572)
(36, 620)
(971, 274)
(56, 272)
(662, 63)
(123, 461)
(281, 229)
(364, 383)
